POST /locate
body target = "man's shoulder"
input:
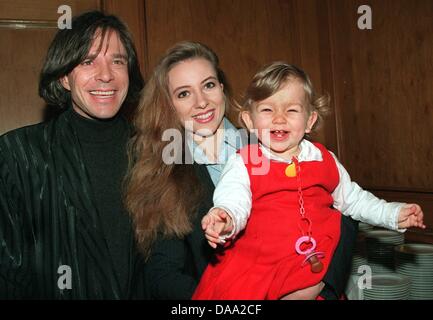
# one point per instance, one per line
(34, 132)
(38, 138)
(25, 134)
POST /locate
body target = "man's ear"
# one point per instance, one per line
(246, 118)
(311, 121)
(65, 82)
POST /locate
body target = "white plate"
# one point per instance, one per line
(415, 249)
(390, 279)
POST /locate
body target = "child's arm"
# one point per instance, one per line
(232, 195)
(363, 206)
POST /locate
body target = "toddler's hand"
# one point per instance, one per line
(216, 223)
(411, 215)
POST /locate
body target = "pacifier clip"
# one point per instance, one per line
(306, 244)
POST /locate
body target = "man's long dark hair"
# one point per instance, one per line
(70, 47)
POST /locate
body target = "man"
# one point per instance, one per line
(63, 231)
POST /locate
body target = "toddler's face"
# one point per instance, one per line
(282, 120)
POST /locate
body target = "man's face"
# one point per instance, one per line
(99, 84)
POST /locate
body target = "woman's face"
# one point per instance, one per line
(197, 96)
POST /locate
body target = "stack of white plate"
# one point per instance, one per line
(416, 261)
(359, 257)
(380, 249)
(388, 286)
(362, 227)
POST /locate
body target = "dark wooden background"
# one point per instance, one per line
(380, 80)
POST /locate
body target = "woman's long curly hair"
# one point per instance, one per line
(160, 197)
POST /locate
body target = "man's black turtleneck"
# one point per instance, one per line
(103, 144)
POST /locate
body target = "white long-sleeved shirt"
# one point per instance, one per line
(233, 193)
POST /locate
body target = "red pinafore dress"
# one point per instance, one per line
(262, 263)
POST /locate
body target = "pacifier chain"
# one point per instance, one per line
(306, 244)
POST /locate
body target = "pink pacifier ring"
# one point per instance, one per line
(305, 239)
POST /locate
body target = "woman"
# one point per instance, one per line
(188, 92)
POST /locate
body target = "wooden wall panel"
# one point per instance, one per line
(312, 20)
(245, 33)
(133, 14)
(26, 30)
(22, 54)
(42, 10)
(383, 88)
(384, 102)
